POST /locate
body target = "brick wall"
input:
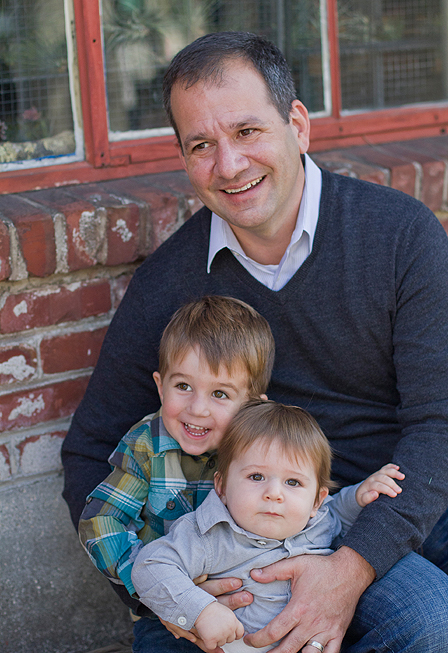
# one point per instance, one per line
(66, 257)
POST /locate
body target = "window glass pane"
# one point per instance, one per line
(393, 52)
(142, 36)
(35, 106)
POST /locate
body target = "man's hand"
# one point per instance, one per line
(325, 593)
(381, 482)
(217, 625)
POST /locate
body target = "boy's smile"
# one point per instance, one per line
(197, 405)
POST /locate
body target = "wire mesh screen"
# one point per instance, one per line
(393, 52)
(35, 107)
(142, 36)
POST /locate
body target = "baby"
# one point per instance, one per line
(270, 502)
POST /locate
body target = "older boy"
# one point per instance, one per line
(214, 354)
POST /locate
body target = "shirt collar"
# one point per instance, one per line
(222, 236)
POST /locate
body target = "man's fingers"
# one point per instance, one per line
(220, 585)
(237, 600)
(276, 571)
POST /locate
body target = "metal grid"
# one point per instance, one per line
(35, 98)
(141, 37)
(392, 52)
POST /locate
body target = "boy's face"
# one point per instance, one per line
(197, 404)
(269, 493)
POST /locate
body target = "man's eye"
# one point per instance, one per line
(201, 146)
(256, 477)
(247, 132)
(183, 386)
(219, 394)
(292, 482)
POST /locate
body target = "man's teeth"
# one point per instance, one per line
(246, 187)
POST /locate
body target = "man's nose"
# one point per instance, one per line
(230, 161)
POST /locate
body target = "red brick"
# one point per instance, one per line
(40, 453)
(5, 265)
(162, 217)
(5, 463)
(17, 363)
(179, 183)
(340, 161)
(119, 287)
(35, 231)
(123, 222)
(433, 172)
(402, 173)
(84, 233)
(27, 408)
(53, 305)
(73, 351)
(95, 298)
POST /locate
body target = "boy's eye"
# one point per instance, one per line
(256, 477)
(219, 394)
(292, 482)
(183, 386)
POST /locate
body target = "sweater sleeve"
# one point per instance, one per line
(163, 571)
(111, 518)
(388, 529)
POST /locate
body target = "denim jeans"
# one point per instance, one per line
(406, 611)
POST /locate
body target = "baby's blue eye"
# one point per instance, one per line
(256, 477)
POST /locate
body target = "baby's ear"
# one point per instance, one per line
(323, 494)
(264, 397)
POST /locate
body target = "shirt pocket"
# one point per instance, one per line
(167, 504)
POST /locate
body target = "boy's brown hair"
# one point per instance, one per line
(264, 422)
(227, 332)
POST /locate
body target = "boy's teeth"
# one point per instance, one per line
(196, 429)
(246, 187)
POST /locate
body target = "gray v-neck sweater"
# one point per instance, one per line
(362, 343)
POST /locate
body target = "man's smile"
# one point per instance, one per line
(251, 184)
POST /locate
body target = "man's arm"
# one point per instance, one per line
(325, 593)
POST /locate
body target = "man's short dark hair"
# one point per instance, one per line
(205, 60)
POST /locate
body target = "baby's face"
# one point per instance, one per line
(197, 405)
(271, 494)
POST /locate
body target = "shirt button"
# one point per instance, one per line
(181, 621)
(262, 542)
(170, 505)
(210, 463)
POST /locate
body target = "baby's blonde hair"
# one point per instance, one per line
(265, 422)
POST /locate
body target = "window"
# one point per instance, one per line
(89, 108)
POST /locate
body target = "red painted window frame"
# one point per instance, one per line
(110, 160)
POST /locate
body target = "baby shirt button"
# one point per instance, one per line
(181, 621)
(262, 542)
(170, 505)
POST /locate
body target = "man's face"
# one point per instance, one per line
(241, 157)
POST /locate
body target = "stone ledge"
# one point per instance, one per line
(122, 221)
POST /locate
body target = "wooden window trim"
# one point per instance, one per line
(111, 160)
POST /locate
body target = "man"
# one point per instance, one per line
(353, 280)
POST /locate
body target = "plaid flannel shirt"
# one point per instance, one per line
(152, 484)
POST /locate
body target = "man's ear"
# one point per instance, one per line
(180, 154)
(300, 121)
(158, 379)
(218, 487)
(323, 494)
(264, 397)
